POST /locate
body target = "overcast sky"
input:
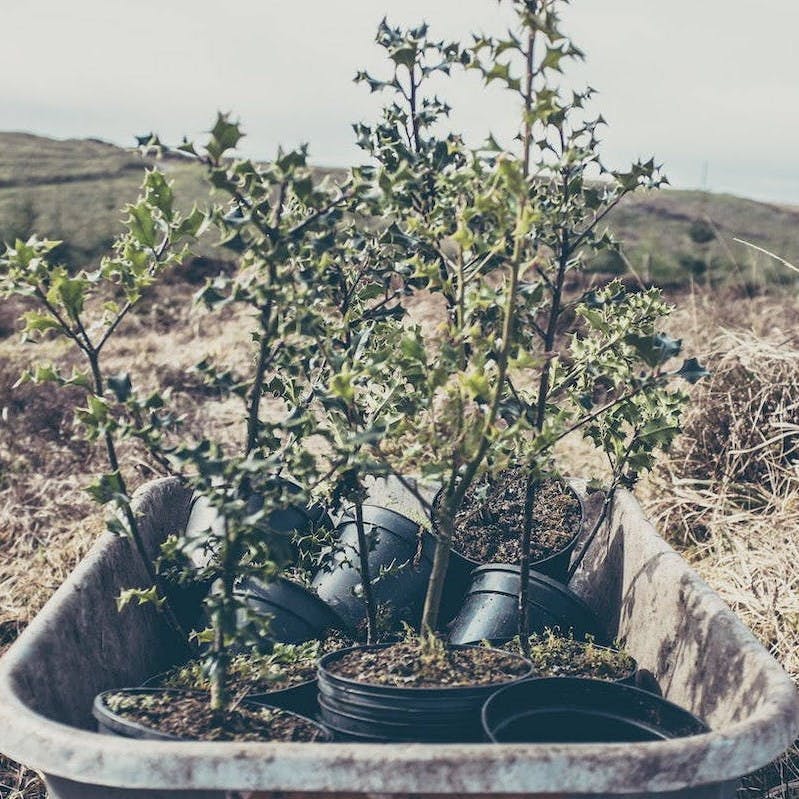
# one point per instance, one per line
(710, 87)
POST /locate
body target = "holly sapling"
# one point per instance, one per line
(364, 379)
(502, 235)
(85, 309)
(280, 222)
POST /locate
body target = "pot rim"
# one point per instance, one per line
(407, 690)
(99, 706)
(609, 686)
(533, 563)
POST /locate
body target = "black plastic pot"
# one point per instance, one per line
(359, 711)
(577, 710)
(299, 698)
(394, 541)
(490, 611)
(555, 565)
(286, 521)
(298, 614)
(186, 600)
(110, 723)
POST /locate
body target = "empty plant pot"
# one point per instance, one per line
(297, 613)
(555, 564)
(362, 711)
(288, 521)
(578, 710)
(394, 541)
(111, 721)
(490, 611)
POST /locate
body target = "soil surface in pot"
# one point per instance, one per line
(558, 656)
(429, 663)
(190, 716)
(287, 665)
(488, 527)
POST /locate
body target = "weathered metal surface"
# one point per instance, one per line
(686, 640)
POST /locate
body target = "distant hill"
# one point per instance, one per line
(74, 190)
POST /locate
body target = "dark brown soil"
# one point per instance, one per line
(426, 663)
(189, 716)
(556, 656)
(488, 527)
(287, 666)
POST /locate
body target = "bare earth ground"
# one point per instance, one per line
(728, 497)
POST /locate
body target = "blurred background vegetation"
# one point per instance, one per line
(73, 191)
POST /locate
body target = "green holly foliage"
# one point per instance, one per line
(526, 356)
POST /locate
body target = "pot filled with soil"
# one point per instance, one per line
(284, 678)
(488, 526)
(412, 690)
(173, 715)
(400, 561)
(555, 655)
(297, 613)
(490, 611)
(580, 710)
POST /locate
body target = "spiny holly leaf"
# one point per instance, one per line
(225, 135)
(143, 596)
(38, 323)
(106, 488)
(692, 371)
(655, 350)
(121, 386)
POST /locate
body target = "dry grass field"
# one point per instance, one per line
(727, 497)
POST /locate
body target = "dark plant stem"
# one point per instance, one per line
(548, 337)
(603, 515)
(610, 495)
(130, 518)
(225, 624)
(412, 104)
(253, 420)
(366, 577)
(528, 103)
(524, 567)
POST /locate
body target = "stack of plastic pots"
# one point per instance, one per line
(369, 712)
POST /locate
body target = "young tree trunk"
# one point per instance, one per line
(218, 677)
(366, 577)
(435, 586)
(224, 626)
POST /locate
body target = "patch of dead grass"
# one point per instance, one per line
(728, 495)
(19, 782)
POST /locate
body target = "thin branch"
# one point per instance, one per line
(590, 418)
(67, 329)
(157, 256)
(309, 220)
(597, 219)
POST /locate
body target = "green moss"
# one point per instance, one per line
(558, 656)
(286, 665)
